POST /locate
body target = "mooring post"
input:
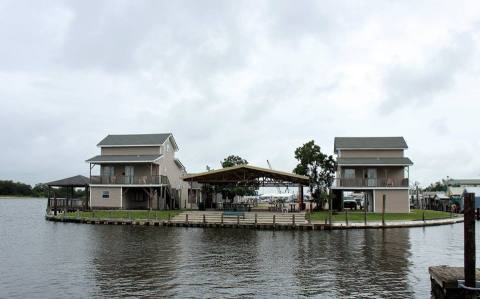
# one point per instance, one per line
(204, 219)
(255, 219)
(346, 217)
(93, 214)
(169, 217)
(330, 209)
(221, 218)
(365, 209)
(423, 216)
(273, 220)
(384, 199)
(293, 219)
(238, 220)
(186, 218)
(469, 241)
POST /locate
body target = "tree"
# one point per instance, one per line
(233, 160)
(231, 191)
(319, 167)
(437, 186)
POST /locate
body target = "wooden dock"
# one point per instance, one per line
(445, 282)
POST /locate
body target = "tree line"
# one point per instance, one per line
(11, 188)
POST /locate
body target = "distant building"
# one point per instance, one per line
(137, 171)
(375, 166)
(463, 182)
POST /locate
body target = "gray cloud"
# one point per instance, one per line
(419, 84)
(251, 78)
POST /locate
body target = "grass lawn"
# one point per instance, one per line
(134, 215)
(358, 216)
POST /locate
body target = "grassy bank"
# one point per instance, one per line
(358, 216)
(134, 215)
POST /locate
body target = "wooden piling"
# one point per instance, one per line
(346, 217)
(469, 240)
(293, 219)
(204, 221)
(186, 218)
(255, 219)
(273, 220)
(384, 199)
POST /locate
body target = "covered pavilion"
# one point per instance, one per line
(68, 202)
(250, 176)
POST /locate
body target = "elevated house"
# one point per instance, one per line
(137, 171)
(375, 166)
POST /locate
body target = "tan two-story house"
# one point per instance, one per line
(137, 171)
(374, 166)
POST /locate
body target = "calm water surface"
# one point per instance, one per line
(41, 259)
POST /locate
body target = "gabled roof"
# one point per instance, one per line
(123, 159)
(403, 161)
(137, 140)
(74, 181)
(369, 143)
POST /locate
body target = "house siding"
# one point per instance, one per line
(113, 202)
(131, 150)
(169, 168)
(397, 201)
(371, 153)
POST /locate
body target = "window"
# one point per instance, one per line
(349, 173)
(108, 171)
(106, 194)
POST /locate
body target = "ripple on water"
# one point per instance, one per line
(52, 260)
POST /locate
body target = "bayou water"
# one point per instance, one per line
(42, 259)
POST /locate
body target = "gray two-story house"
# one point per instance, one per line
(137, 171)
(374, 166)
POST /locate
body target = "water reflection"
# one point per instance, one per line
(71, 260)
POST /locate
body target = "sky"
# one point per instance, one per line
(252, 78)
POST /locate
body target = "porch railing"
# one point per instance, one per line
(376, 182)
(129, 180)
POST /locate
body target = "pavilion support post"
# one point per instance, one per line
(55, 204)
(300, 196)
(49, 205)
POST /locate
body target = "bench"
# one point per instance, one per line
(234, 214)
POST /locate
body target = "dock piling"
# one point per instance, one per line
(469, 244)
(346, 217)
(384, 199)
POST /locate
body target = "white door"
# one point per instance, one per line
(129, 173)
(372, 177)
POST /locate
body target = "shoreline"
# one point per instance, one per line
(235, 223)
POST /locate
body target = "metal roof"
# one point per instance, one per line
(374, 161)
(464, 182)
(245, 174)
(369, 143)
(74, 181)
(123, 159)
(134, 139)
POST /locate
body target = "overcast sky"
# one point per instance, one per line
(252, 78)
